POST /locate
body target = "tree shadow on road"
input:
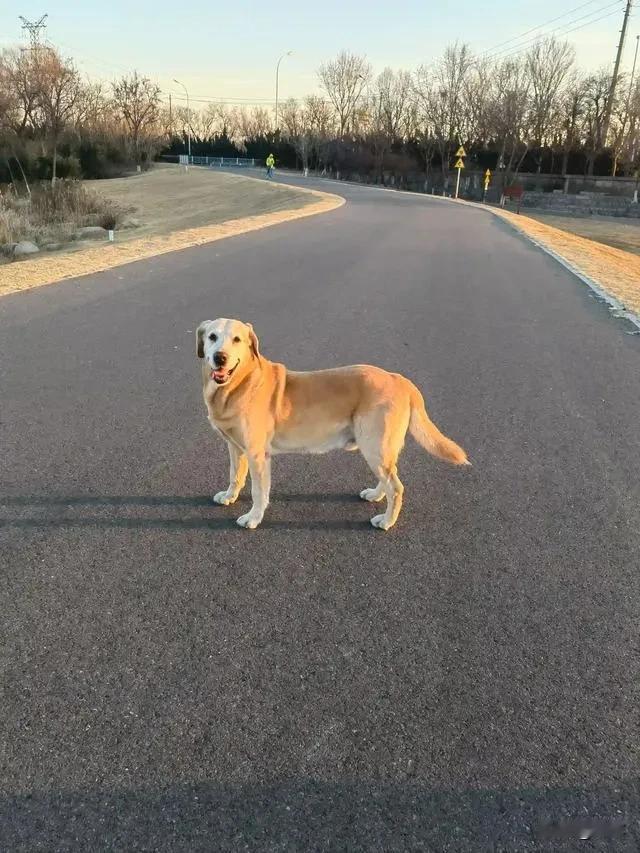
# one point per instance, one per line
(303, 814)
(132, 511)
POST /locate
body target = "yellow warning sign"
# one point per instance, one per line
(459, 164)
(487, 174)
(461, 152)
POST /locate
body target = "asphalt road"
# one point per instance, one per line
(171, 682)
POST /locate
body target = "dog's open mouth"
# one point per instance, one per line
(221, 375)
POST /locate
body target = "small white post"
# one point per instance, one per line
(458, 182)
(111, 235)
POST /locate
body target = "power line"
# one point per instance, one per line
(539, 27)
(559, 31)
(212, 99)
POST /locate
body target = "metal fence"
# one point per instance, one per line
(216, 162)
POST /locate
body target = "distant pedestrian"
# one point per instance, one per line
(271, 162)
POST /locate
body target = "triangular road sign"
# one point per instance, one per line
(461, 152)
(459, 164)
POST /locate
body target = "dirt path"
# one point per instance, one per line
(177, 210)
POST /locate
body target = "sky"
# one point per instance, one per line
(229, 51)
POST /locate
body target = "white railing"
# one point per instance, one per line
(216, 162)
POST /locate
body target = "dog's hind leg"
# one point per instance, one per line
(380, 436)
(394, 491)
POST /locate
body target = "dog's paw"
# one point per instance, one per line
(371, 495)
(249, 521)
(380, 522)
(224, 498)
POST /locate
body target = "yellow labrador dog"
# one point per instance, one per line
(260, 408)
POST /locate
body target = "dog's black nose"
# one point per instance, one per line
(220, 358)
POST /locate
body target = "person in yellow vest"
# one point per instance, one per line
(271, 162)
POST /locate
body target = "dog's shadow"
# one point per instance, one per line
(101, 511)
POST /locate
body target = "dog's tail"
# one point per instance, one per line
(428, 435)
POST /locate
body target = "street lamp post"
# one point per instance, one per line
(188, 118)
(288, 53)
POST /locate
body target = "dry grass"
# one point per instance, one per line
(167, 199)
(616, 271)
(54, 214)
(611, 230)
(53, 268)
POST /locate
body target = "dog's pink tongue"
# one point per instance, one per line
(217, 374)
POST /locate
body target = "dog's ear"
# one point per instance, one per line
(200, 338)
(254, 342)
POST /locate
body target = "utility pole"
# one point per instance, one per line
(616, 71)
(34, 28)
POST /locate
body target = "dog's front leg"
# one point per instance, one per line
(260, 470)
(238, 468)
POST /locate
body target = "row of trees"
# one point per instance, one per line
(52, 121)
(535, 111)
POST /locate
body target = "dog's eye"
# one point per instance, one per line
(236, 340)
(213, 337)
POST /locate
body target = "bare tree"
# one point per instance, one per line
(571, 110)
(252, 123)
(630, 149)
(509, 114)
(59, 91)
(92, 113)
(321, 123)
(596, 92)
(479, 93)
(386, 113)
(393, 91)
(440, 93)
(22, 70)
(345, 80)
(291, 117)
(9, 100)
(548, 64)
(624, 124)
(137, 100)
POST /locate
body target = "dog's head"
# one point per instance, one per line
(227, 346)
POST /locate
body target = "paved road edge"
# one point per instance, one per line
(27, 275)
(616, 306)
